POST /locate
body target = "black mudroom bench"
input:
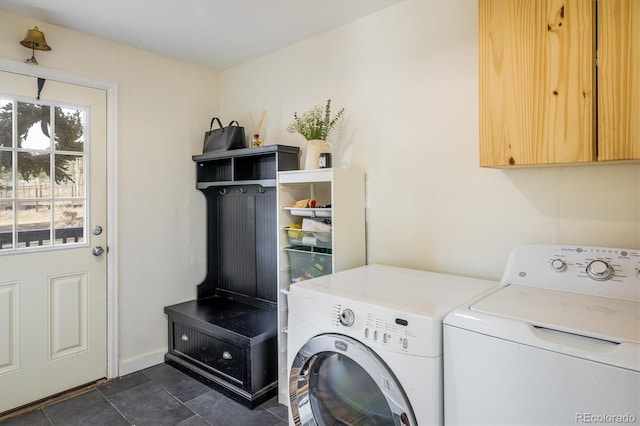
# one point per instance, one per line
(227, 337)
(228, 344)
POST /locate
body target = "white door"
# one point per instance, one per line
(53, 287)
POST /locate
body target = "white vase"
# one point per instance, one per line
(314, 148)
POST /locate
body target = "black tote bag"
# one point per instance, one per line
(223, 138)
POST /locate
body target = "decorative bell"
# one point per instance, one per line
(34, 40)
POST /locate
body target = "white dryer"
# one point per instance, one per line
(557, 344)
(365, 345)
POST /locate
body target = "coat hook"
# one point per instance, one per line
(260, 190)
(223, 191)
(242, 190)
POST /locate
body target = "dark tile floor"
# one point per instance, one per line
(159, 395)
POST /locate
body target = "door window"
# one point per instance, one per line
(42, 175)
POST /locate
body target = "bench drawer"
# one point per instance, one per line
(220, 355)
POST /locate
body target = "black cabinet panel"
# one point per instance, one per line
(215, 171)
(266, 253)
(242, 243)
(255, 167)
(236, 232)
(223, 357)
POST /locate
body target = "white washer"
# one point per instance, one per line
(365, 345)
(557, 344)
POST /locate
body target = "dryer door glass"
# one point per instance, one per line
(342, 392)
(336, 380)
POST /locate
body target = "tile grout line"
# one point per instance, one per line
(184, 405)
(114, 407)
(271, 412)
(47, 416)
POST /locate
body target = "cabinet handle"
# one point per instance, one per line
(226, 355)
(185, 337)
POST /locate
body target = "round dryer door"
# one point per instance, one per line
(336, 380)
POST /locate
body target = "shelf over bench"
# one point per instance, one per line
(247, 166)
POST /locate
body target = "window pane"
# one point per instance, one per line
(69, 176)
(33, 126)
(69, 129)
(6, 225)
(6, 121)
(6, 175)
(34, 223)
(42, 175)
(33, 175)
(69, 222)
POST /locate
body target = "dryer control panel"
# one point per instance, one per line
(386, 329)
(598, 271)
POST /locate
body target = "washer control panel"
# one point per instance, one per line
(601, 271)
(385, 329)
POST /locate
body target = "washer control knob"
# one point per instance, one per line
(599, 270)
(558, 265)
(347, 317)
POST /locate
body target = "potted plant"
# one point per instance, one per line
(315, 126)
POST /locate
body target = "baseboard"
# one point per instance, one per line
(138, 363)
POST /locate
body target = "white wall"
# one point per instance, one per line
(408, 78)
(164, 107)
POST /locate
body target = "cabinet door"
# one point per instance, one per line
(536, 60)
(618, 79)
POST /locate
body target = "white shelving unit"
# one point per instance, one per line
(340, 201)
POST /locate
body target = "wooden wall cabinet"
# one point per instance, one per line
(542, 99)
(618, 79)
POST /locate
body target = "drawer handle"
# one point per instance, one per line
(185, 337)
(226, 355)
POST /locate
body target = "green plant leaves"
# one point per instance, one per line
(315, 123)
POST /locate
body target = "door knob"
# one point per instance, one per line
(97, 251)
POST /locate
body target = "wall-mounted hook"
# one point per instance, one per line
(260, 190)
(242, 190)
(223, 191)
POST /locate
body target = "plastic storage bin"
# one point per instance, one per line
(299, 237)
(308, 262)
